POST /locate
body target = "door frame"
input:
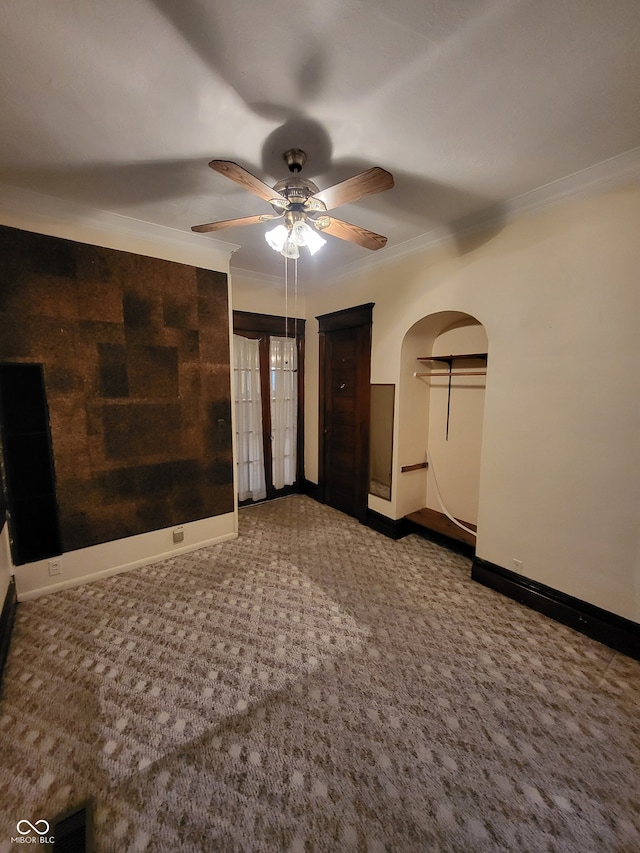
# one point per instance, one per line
(261, 327)
(359, 316)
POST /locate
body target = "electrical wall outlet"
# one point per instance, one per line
(178, 535)
(55, 567)
(517, 565)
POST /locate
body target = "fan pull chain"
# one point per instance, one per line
(295, 301)
(286, 295)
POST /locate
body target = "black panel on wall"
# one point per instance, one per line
(28, 464)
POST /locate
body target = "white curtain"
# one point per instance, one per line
(248, 402)
(283, 367)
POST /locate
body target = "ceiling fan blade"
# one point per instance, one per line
(234, 223)
(374, 180)
(352, 233)
(245, 179)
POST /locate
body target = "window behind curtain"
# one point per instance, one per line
(283, 383)
(248, 402)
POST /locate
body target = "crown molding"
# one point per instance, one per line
(617, 171)
(594, 179)
(32, 211)
(259, 279)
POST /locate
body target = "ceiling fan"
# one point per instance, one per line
(303, 207)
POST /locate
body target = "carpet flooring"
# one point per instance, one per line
(315, 686)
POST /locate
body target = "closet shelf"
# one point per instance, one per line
(449, 361)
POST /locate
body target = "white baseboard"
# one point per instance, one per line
(111, 558)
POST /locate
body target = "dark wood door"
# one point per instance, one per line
(345, 360)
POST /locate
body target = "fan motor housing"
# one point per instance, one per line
(296, 190)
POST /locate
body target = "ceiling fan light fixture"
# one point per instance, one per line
(287, 241)
(303, 206)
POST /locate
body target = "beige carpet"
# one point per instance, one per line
(314, 686)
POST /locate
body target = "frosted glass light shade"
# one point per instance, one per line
(276, 238)
(287, 243)
(290, 248)
(306, 236)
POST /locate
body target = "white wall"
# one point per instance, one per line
(558, 296)
(264, 295)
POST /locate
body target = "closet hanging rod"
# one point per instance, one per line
(461, 356)
(453, 373)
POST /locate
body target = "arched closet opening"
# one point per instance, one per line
(445, 362)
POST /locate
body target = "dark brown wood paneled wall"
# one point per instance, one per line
(135, 353)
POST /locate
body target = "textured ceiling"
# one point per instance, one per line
(469, 103)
